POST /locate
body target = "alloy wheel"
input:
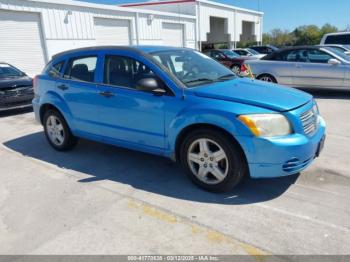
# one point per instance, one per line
(55, 130)
(207, 161)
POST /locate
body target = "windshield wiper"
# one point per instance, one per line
(224, 77)
(199, 80)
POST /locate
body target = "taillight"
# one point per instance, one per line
(244, 68)
(35, 87)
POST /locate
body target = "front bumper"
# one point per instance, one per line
(15, 101)
(282, 156)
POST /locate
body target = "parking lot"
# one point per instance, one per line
(99, 199)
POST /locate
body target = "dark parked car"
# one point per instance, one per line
(229, 59)
(16, 88)
(264, 49)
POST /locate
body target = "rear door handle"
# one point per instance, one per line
(106, 94)
(62, 87)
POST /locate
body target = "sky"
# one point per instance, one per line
(286, 14)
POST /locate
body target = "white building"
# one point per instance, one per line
(215, 22)
(31, 31)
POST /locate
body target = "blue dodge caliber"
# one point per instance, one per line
(180, 104)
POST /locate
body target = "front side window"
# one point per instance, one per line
(81, 69)
(192, 68)
(216, 55)
(318, 56)
(124, 71)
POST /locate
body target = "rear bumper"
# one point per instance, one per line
(36, 109)
(277, 157)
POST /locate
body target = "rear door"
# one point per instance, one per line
(313, 70)
(79, 91)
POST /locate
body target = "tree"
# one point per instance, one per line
(279, 37)
(307, 35)
(328, 28)
(302, 35)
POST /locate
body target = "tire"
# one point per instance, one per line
(203, 169)
(55, 126)
(267, 78)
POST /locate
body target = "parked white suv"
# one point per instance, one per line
(341, 38)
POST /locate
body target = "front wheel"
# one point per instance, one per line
(212, 160)
(267, 78)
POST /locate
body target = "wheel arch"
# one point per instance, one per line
(190, 128)
(266, 74)
(54, 102)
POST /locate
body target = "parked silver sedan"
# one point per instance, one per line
(310, 66)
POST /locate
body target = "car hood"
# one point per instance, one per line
(9, 83)
(254, 92)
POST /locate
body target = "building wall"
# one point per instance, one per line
(234, 21)
(187, 8)
(234, 17)
(71, 26)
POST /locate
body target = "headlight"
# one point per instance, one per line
(267, 125)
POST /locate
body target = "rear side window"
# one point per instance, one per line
(55, 69)
(81, 68)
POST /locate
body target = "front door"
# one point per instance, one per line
(127, 115)
(313, 70)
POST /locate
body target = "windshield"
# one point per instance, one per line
(9, 71)
(338, 53)
(230, 54)
(252, 51)
(193, 68)
(340, 49)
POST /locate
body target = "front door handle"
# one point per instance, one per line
(106, 94)
(63, 87)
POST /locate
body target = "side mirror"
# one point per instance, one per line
(334, 61)
(150, 85)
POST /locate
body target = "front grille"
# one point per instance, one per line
(18, 91)
(309, 120)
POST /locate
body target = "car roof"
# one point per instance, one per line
(298, 47)
(135, 48)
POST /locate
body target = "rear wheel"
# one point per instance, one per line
(267, 78)
(57, 131)
(212, 160)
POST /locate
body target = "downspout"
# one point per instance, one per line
(261, 30)
(235, 29)
(137, 28)
(198, 26)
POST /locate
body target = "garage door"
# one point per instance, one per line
(112, 31)
(172, 34)
(20, 41)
